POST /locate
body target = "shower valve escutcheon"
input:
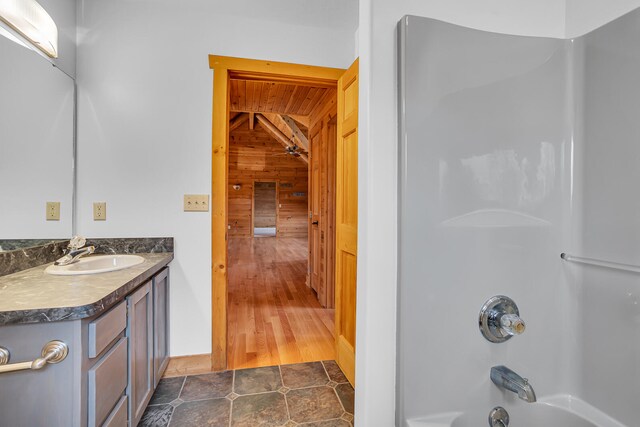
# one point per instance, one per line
(500, 319)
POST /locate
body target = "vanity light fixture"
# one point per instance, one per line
(29, 19)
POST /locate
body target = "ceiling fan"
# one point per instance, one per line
(292, 150)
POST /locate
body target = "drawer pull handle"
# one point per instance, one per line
(52, 352)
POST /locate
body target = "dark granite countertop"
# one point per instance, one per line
(33, 296)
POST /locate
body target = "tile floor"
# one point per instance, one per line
(314, 394)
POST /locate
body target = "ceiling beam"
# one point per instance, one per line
(252, 120)
(277, 134)
(304, 142)
(238, 121)
(304, 120)
(278, 121)
(300, 119)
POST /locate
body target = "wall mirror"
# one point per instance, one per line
(37, 102)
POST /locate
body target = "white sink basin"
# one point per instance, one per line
(96, 264)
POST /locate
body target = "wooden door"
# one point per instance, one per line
(347, 220)
(314, 213)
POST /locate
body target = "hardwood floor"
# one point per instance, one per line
(274, 318)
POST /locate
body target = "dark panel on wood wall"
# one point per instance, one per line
(256, 156)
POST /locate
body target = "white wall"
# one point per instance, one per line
(144, 133)
(377, 273)
(63, 13)
(583, 16)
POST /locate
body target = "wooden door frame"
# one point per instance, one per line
(253, 203)
(223, 68)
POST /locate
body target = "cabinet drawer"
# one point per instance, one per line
(118, 417)
(106, 328)
(107, 383)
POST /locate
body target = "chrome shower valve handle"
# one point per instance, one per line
(512, 324)
(499, 319)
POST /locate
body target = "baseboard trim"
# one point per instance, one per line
(188, 365)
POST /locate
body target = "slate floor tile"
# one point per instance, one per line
(329, 423)
(313, 404)
(156, 416)
(346, 394)
(334, 371)
(264, 410)
(208, 386)
(257, 380)
(167, 391)
(201, 413)
(304, 375)
(313, 394)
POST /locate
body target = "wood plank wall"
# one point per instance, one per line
(256, 156)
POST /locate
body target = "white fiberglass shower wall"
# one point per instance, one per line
(514, 150)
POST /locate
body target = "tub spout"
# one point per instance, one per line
(506, 379)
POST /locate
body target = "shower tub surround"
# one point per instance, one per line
(514, 150)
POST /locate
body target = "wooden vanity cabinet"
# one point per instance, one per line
(141, 336)
(115, 362)
(160, 324)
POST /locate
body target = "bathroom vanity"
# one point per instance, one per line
(116, 328)
(106, 332)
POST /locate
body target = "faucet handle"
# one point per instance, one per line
(512, 324)
(499, 319)
(76, 242)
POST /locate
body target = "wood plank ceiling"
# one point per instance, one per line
(282, 107)
(253, 96)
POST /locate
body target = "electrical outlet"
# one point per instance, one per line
(53, 211)
(196, 203)
(99, 211)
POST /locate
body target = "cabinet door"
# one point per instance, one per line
(160, 324)
(140, 333)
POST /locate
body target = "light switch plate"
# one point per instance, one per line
(196, 203)
(53, 211)
(99, 211)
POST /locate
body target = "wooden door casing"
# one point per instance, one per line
(347, 220)
(223, 67)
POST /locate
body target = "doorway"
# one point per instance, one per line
(265, 114)
(265, 209)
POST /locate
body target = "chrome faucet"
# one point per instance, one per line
(75, 251)
(506, 379)
(500, 319)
